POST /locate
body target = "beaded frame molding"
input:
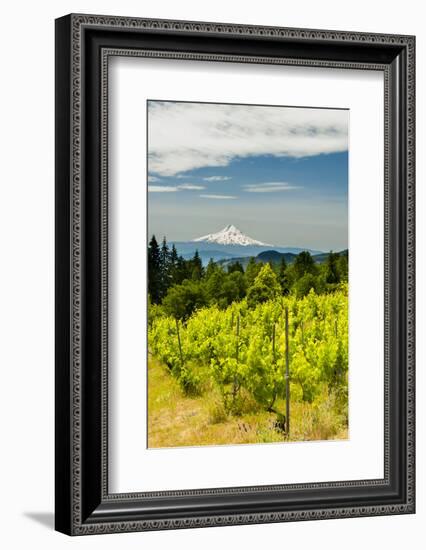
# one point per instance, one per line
(84, 44)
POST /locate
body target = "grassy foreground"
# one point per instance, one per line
(175, 419)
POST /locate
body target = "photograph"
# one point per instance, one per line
(248, 278)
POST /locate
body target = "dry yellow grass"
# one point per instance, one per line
(176, 420)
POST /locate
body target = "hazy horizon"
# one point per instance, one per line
(279, 174)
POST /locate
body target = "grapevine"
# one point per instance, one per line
(242, 349)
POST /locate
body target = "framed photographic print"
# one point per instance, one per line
(234, 274)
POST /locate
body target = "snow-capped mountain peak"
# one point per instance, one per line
(230, 235)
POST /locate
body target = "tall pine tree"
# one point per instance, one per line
(332, 272)
(342, 266)
(304, 263)
(183, 270)
(235, 266)
(283, 277)
(197, 267)
(173, 265)
(164, 268)
(252, 271)
(154, 271)
(211, 268)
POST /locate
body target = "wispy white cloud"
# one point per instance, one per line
(153, 179)
(191, 187)
(185, 136)
(217, 178)
(175, 188)
(269, 187)
(218, 197)
(161, 189)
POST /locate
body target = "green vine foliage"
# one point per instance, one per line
(243, 348)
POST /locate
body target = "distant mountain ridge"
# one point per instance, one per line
(208, 250)
(275, 257)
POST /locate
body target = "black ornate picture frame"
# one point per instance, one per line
(84, 43)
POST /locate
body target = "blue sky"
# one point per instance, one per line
(279, 174)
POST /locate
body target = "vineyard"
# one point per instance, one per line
(242, 354)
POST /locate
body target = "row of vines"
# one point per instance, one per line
(242, 349)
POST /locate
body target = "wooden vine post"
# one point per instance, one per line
(287, 377)
(238, 336)
(273, 343)
(179, 343)
(235, 385)
(274, 361)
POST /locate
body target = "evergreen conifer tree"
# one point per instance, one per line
(304, 263)
(332, 272)
(283, 277)
(235, 266)
(342, 266)
(211, 268)
(173, 265)
(154, 271)
(252, 271)
(197, 267)
(165, 268)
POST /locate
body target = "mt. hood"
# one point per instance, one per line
(230, 235)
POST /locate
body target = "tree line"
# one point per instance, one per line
(183, 285)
